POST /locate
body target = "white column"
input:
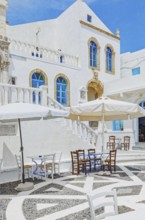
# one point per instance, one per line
(5, 95)
(30, 96)
(37, 97)
(18, 94)
(44, 94)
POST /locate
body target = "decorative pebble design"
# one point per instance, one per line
(54, 199)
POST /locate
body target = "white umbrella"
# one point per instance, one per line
(105, 109)
(27, 111)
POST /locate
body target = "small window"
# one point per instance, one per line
(61, 59)
(13, 81)
(136, 71)
(109, 59)
(117, 125)
(89, 18)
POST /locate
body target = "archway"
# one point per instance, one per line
(92, 93)
(95, 88)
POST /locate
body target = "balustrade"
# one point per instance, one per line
(46, 54)
(83, 131)
(12, 93)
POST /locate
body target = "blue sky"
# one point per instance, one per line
(127, 15)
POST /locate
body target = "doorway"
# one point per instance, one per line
(92, 94)
(141, 129)
(141, 125)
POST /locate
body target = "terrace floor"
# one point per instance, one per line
(64, 198)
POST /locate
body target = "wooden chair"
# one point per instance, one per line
(79, 163)
(110, 161)
(84, 163)
(111, 143)
(126, 144)
(105, 200)
(74, 159)
(28, 168)
(94, 161)
(57, 163)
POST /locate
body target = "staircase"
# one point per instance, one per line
(131, 156)
(43, 137)
(46, 136)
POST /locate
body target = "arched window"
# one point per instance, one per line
(37, 81)
(61, 90)
(109, 59)
(93, 54)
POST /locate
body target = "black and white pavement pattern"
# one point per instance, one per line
(64, 198)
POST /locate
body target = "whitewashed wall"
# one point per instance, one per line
(133, 60)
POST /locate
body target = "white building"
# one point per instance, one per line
(71, 59)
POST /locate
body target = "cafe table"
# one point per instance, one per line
(39, 164)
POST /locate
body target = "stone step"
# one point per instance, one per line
(127, 156)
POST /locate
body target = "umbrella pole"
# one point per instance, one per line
(103, 133)
(22, 154)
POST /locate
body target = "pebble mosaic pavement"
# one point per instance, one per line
(64, 198)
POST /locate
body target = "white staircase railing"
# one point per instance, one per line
(83, 131)
(12, 93)
(78, 127)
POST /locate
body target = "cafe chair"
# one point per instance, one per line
(47, 166)
(83, 161)
(111, 143)
(94, 160)
(75, 166)
(79, 163)
(105, 201)
(126, 144)
(110, 161)
(57, 161)
(28, 168)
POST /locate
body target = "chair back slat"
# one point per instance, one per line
(106, 201)
(112, 139)
(81, 154)
(49, 159)
(91, 151)
(112, 155)
(75, 161)
(126, 139)
(126, 144)
(111, 143)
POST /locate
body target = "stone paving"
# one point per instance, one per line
(64, 198)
